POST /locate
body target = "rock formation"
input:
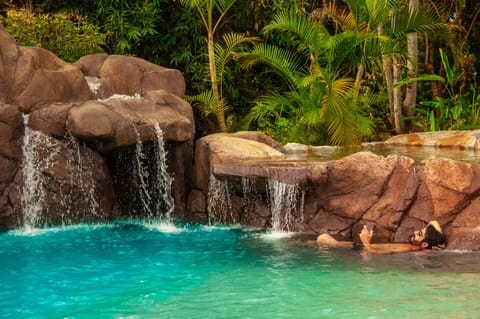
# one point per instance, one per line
(103, 105)
(339, 196)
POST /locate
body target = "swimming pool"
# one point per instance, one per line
(162, 270)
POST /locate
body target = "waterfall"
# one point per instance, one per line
(163, 179)
(33, 188)
(46, 195)
(146, 168)
(286, 205)
(94, 84)
(219, 205)
(141, 173)
(284, 200)
(81, 174)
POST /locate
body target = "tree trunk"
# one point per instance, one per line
(217, 99)
(412, 46)
(397, 96)
(387, 73)
(358, 80)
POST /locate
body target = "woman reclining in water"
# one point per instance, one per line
(430, 237)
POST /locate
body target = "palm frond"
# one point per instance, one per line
(270, 107)
(344, 19)
(283, 62)
(227, 51)
(205, 103)
(306, 33)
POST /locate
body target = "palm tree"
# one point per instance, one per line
(389, 29)
(319, 98)
(224, 52)
(206, 9)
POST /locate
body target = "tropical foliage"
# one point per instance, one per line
(318, 100)
(69, 36)
(206, 10)
(319, 71)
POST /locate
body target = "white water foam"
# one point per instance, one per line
(276, 235)
(27, 232)
(122, 97)
(93, 83)
(164, 227)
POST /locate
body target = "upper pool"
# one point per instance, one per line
(417, 153)
(149, 270)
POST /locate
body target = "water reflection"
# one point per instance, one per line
(417, 153)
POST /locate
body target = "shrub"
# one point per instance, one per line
(67, 35)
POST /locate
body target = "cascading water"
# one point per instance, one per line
(285, 202)
(33, 190)
(284, 205)
(81, 174)
(151, 194)
(163, 179)
(219, 205)
(46, 195)
(141, 174)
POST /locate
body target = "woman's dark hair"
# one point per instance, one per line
(433, 237)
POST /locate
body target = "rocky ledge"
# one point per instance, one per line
(336, 196)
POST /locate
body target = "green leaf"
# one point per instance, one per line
(448, 69)
(422, 78)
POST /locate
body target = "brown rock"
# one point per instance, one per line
(130, 76)
(9, 52)
(93, 120)
(91, 64)
(42, 79)
(449, 183)
(398, 195)
(11, 123)
(356, 183)
(224, 148)
(51, 119)
(119, 122)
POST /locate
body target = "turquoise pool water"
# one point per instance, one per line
(135, 270)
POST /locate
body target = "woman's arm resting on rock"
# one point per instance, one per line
(387, 248)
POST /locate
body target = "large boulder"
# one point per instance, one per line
(452, 139)
(116, 74)
(32, 77)
(217, 149)
(11, 135)
(120, 122)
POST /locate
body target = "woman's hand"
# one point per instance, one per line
(366, 236)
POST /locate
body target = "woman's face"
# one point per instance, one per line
(418, 236)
